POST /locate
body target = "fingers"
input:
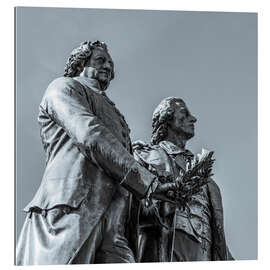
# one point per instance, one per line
(165, 198)
(170, 194)
(167, 187)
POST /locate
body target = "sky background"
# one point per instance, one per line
(207, 58)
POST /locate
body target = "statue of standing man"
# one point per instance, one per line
(169, 232)
(80, 210)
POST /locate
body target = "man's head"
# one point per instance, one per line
(91, 59)
(172, 113)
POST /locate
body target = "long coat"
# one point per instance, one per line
(87, 145)
(158, 159)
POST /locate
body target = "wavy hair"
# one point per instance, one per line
(79, 57)
(162, 114)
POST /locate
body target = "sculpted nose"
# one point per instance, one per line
(193, 119)
(107, 65)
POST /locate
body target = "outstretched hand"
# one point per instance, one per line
(179, 192)
(163, 191)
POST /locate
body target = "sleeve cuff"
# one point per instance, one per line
(151, 189)
(138, 181)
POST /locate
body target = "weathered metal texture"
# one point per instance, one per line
(193, 233)
(79, 212)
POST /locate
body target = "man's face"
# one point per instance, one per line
(99, 67)
(183, 121)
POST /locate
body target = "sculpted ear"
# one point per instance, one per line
(169, 121)
(87, 60)
(80, 68)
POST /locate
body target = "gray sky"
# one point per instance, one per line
(208, 59)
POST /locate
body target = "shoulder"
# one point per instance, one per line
(213, 186)
(149, 154)
(64, 82)
(64, 86)
(214, 193)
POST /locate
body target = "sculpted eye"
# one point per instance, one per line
(100, 60)
(184, 111)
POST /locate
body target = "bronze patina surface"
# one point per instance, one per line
(166, 232)
(80, 211)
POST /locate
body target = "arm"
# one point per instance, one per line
(221, 251)
(66, 103)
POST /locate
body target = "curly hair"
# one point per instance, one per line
(80, 55)
(162, 114)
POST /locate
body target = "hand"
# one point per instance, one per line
(163, 191)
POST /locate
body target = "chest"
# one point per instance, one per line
(111, 117)
(195, 219)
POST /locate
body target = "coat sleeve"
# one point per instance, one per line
(67, 104)
(229, 255)
(220, 249)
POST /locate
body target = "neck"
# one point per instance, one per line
(177, 139)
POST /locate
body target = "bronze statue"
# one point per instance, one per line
(184, 232)
(80, 210)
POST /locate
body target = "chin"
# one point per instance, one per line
(104, 84)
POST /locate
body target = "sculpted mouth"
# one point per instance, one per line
(104, 72)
